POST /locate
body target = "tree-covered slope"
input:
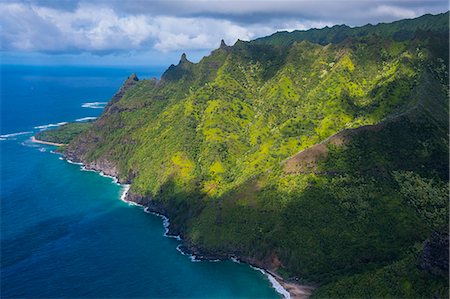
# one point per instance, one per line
(399, 30)
(63, 134)
(242, 151)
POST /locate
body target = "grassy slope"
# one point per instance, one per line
(399, 30)
(207, 142)
(63, 134)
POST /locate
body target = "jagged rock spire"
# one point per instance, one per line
(133, 77)
(183, 58)
(130, 82)
(223, 45)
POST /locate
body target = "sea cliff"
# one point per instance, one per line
(323, 163)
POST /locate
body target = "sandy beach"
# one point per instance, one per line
(46, 142)
(295, 290)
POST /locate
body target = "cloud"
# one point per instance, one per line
(108, 26)
(175, 33)
(397, 12)
(350, 12)
(88, 28)
(100, 28)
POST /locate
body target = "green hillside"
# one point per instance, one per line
(241, 151)
(63, 134)
(399, 31)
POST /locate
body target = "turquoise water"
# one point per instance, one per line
(64, 231)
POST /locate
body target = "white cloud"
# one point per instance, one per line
(296, 25)
(199, 33)
(113, 25)
(99, 28)
(396, 12)
(88, 28)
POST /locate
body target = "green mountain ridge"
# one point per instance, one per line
(398, 30)
(321, 155)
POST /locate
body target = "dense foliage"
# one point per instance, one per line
(210, 143)
(399, 31)
(63, 134)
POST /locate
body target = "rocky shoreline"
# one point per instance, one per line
(292, 289)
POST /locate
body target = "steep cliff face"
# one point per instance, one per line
(129, 83)
(315, 161)
(76, 151)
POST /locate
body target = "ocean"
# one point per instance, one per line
(64, 231)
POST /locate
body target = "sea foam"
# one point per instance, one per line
(45, 127)
(86, 118)
(275, 284)
(191, 256)
(166, 224)
(12, 135)
(94, 105)
(75, 163)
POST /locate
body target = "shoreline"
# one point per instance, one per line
(284, 288)
(33, 139)
(295, 290)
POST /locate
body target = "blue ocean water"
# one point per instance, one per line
(64, 232)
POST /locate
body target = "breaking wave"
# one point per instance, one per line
(86, 118)
(94, 105)
(12, 135)
(45, 127)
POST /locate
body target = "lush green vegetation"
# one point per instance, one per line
(401, 279)
(399, 30)
(63, 134)
(210, 142)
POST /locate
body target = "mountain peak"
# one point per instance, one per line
(183, 58)
(223, 45)
(133, 77)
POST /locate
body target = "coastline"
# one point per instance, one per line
(283, 287)
(33, 139)
(295, 290)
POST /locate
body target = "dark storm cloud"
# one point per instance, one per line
(351, 12)
(112, 25)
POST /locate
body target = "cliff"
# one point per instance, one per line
(324, 162)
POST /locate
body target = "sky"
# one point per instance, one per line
(157, 32)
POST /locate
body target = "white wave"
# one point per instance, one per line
(123, 196)
(166, 224)
(275, 284)
(45, 127)
(86, 118)
(7, 136)
(101, 173)
(194, 258)
(126, 187)
(76, 163)
(191, 257)
(235, 260)
(58, 154)
(94, 105)
(29, 143)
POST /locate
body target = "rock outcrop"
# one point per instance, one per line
(130, 82)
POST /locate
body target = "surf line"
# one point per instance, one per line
(166, 223)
